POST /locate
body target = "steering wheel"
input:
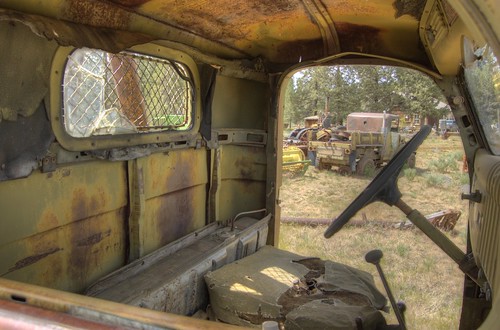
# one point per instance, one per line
(383, 187)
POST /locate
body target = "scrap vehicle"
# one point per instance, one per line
(312, 130)
(369, 142)
(141, 150)
(294, 160)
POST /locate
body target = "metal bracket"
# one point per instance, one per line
(49, 163)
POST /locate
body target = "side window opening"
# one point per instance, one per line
(483, 83)
(125, 93)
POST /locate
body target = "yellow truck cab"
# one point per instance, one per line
(141, 149)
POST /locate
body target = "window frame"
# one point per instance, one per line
(97, 142)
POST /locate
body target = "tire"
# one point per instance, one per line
(366, 167)
(344, 170)
(322, 166)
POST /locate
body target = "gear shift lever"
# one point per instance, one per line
(374, 257)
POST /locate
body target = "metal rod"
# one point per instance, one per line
(441, 240)
(374, 257)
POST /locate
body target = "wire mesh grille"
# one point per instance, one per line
(124, 93)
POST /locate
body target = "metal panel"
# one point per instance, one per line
(243, 173)
(46, 201)
(171, 278)
(65, 228)
(483, 217)
(69, 257)
(96, 310)
(175, 193)
(234, 107)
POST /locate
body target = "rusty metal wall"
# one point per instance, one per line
(67, 228)
(241, 167)
(243, 180)
(175, 194)
(64, 229)
(235, 107)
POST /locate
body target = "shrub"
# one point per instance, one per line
(464, 178)
(410, 173)
(437, 180)
(446, 163)
(457, 155)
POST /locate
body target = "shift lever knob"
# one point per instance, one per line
(374, 256)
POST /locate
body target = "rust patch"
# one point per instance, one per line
(33, 259)
(229, 19)
(300, 50)
(79, 204)
(272, 7)
(244, 165)
(352, 7)
(359, 38)
(48, 221)
(96, 13)
(413, 8)
(176, 216)
(129, 3)
(213, 26)
(93, 239)
(77, 35)
(98, 202)
(83, 206)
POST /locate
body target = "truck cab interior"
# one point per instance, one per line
(141, 150)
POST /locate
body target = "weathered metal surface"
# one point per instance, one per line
(97, 310)
(233, 107)
(69, 257)
(171, 278)
(370, 121)
(243, 173)
(444, 220)
(483, 216)
(26, 85)
(23, 143)
(175, 196)
(285, 31)
(64, 228)
(16, 315)
(67, 33)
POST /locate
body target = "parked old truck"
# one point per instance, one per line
(369, 141)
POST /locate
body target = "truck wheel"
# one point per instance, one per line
(366, 167)
(344, 170)
(322, 166)
(411, 161)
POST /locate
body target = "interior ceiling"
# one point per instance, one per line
(278, 31)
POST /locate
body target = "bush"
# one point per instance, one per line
(457, 155)
(410, 173)
(446, 163)
(437, 180)
(464, 178)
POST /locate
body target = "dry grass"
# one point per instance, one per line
(418, 272)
